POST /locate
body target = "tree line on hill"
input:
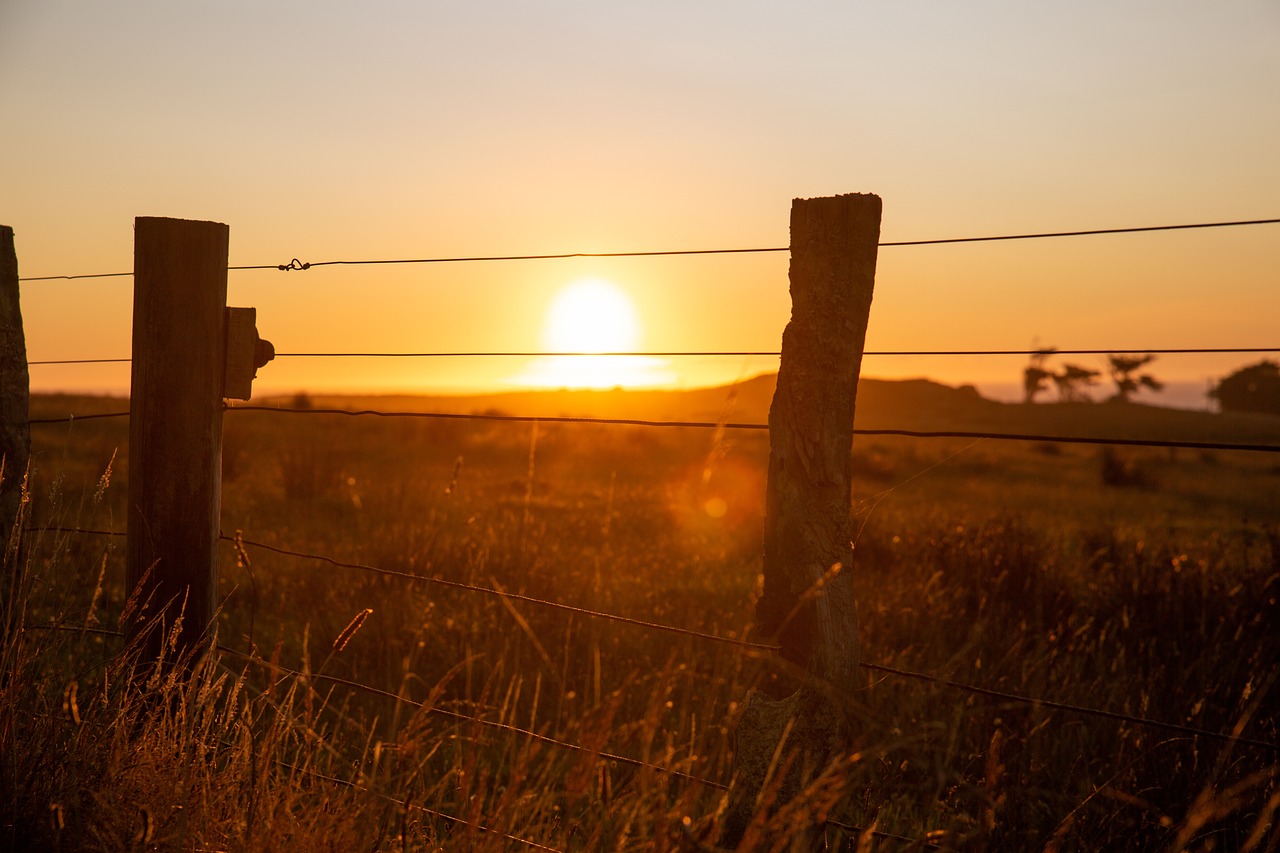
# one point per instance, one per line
(1254, 388)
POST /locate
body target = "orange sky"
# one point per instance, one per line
(329, 131)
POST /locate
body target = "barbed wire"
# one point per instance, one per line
(510, 596)
(405, 804)
(74, 277)
(749, 646)
(75, 629)
(1088, 233)
(924, 844)
(79, 361)
(295, 264)
(80, 530)
(767, 353)
(1075, 709)
(459, 717)
(758, 648)
(386, 694)
(467, 718)
(640, 422)
(73, 418)
(1068, 439)
(555, 742)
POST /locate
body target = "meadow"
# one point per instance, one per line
(356, 709)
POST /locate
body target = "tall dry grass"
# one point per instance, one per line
(491, 721)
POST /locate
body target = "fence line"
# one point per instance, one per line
(467, 718)
(405, 804)
(1089, 233)
(924, 844)
(765, 648)
(386, 694)
(375, 691)
(511, 596)
(1066, 439)
(995, 436)
(562, 744)
(765, 353)
(73, 418)
(80, 530)
(748, 647)
(1076, 709)
(295, 264)
(540, 419)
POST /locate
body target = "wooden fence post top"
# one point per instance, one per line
(194, 223)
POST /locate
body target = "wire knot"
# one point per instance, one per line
(294, 264)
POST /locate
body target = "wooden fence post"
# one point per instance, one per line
(175, 429)
(15, 412)
(807, 606)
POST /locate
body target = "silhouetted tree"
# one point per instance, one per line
(1123, 368)
(1033, 382)
(1255, 388)
(1070, 379)
(1035, 376)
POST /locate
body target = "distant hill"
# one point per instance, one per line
(746, 401)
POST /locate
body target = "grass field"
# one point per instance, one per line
(1137, 581)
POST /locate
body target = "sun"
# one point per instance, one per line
(585, 319)
(591, 316)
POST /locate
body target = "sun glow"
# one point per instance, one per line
(591, 316)
(585, 321)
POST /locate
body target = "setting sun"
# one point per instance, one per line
(591, 316)
(585, 320)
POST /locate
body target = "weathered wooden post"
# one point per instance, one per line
(189, 352)
(175, 428)
(15, 404)
(793, 729)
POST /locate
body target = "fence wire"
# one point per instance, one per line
(69, 419)
(408, 806)
(458, 717)
(295, 264)
(555, 742)
(769, 649)
(466, 718)
(510, 596)
(758, 648)
(709, 354)
(639, 422)
(763, 353)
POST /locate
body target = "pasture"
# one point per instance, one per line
(1141, 582)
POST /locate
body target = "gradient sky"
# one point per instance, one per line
(328, 131)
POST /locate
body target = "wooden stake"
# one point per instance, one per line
(15, 405)
(807, 605)
(175, 429)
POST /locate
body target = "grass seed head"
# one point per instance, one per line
(348, 632)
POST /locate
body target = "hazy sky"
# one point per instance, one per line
(328, 131)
